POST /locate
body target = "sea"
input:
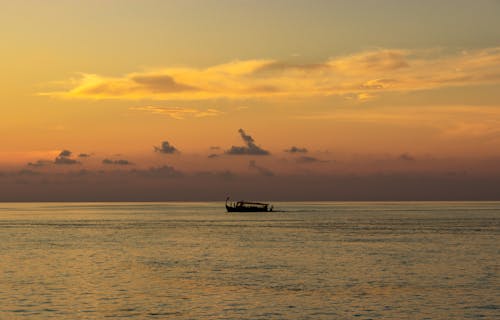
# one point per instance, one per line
(308, 260)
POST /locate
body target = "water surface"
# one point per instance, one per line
(194, 261)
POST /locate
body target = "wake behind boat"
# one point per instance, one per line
(247, 206)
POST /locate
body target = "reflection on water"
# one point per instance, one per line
(194, 261)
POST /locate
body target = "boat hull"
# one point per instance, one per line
(246, 209)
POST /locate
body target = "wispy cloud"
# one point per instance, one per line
(65, 161)
(261, 170)
(451, 122)
(119, 162)
(406, 157)
(164, 171)
(40, 163)
(309, 159)
(463, 127)
(295, 149)
(363, 75)
(178, 112)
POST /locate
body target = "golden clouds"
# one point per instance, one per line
(375, 61)
(178, 112)
(134, 86)
(461, 123)
(364, 75)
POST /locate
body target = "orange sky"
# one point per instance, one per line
(323, 89)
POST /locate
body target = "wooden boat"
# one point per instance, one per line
(247, 206)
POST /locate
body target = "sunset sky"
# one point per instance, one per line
(287, 100)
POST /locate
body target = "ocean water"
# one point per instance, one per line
(326, 260)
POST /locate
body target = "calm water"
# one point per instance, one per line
(194, 261)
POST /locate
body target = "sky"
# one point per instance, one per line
(269, 100)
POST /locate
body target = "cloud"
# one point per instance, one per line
(65, 161)
(178, 112)
(250, 149)
(64, 158)
(213, 155)
(406, 157)
(40, 163)
(65, 153)
(308, 159)
(120, 162)
(223, 175)
(459, 123)
(160, 83)
(133, 85)
(263, 171)
(165, 171)
(364, 96)
(362, 75)
(166, 148)
(303, 158)
(26, 172)
(295, 149)
(385, 60)
(83, 155)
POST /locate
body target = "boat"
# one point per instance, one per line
(248, 206)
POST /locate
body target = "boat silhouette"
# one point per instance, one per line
(247, 206)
